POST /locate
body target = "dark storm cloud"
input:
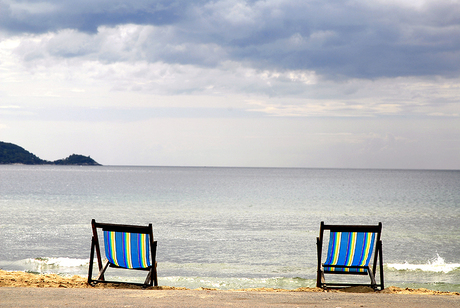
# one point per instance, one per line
(337, 39)
(35, 16)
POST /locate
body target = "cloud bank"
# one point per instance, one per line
(336, 39)
(131, 61)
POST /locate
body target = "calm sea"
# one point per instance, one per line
(232, 228)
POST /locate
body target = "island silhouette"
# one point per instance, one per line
(13, 154)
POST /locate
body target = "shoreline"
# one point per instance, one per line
(17, 279)
(21, 289)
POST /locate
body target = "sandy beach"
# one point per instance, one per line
(20, 289)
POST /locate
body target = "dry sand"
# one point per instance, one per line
(20, 289)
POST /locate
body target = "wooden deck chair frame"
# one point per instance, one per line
(151, 279)
(322, 269)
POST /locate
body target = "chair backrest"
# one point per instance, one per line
(126, 249)
(350, 247)
(126, 246)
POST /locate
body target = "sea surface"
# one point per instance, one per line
(231, 228)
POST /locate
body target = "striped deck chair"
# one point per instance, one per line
(350, 251)
(126, 247)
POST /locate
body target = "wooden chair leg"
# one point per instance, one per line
(381, 265)
(155, 276)
(102, 271)
(151, 278)
(323, 281)
(319, 278)
(91, 261)
(372, 276)
(148, 279)
(319, 274)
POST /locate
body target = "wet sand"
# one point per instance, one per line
(19, 289)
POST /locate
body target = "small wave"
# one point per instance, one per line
(227, 283)
(437, 265)
(55, 265)
(48, 265)
(57, 262)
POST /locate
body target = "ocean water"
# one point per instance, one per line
(232, 228)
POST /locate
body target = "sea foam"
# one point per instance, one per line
(437, 265)
(58, 262)
(56, 265)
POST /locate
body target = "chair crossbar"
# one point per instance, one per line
(345, 266)
(123, 228)
(341, 269)
(135, 269)
(94, 281)
(338, 285)
(352, 228)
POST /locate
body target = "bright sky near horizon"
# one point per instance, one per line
(275, 83)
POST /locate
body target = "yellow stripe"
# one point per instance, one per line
(337, 247)
(144, 250)
(351, 252)
(113, 247)
(129, 261)
(367, 250)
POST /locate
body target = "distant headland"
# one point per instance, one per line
(14, 154)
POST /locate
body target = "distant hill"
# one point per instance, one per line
(75, 159)
(14, 154)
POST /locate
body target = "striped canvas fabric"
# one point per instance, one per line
(128, 250)
(349, 249)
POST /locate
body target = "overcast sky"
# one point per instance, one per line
(330, 84)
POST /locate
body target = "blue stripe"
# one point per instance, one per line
(330, 251)
(139, 255)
